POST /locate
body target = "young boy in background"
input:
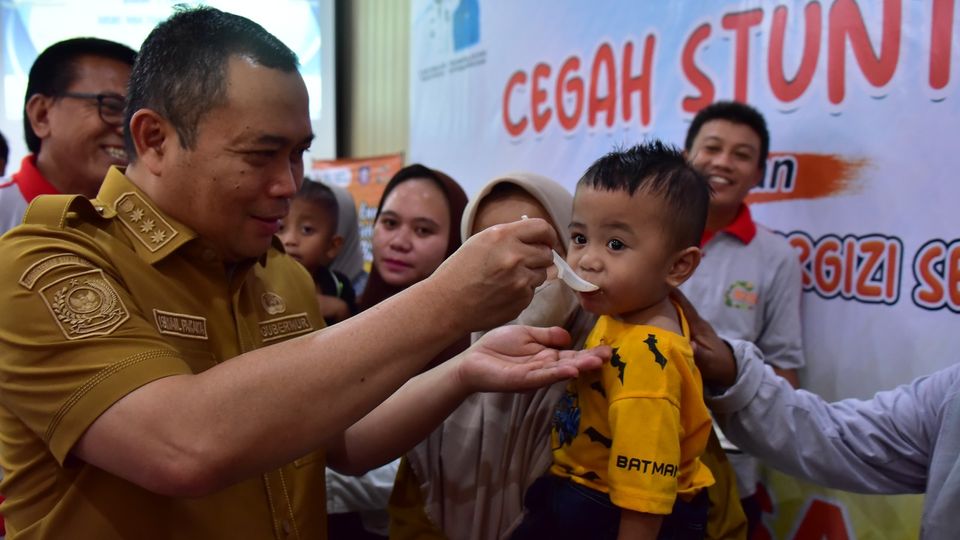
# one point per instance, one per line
(309, 235)
(627, 438)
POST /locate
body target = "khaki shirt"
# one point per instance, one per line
(99, 298)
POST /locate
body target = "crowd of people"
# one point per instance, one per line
(169, 270)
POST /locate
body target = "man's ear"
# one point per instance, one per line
(334, 248)
(684, 263)
(38, 114)
(152, 136)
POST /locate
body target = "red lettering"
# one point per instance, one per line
(567, 85)
(741, 23)
(607, 104)
(538, 97)
(953, 276)
(804, 247)
(696, 77)
(874, 250)
(941, 41)
(766, 506)
(846, 21)
(849, 262)
(823, 520)
(515, 129)
(789, 90)
(892, 275)
(828, 266)
(640, 83)
(929, 292)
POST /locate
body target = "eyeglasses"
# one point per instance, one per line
(110, 106)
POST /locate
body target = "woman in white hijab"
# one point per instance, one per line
(473, 471)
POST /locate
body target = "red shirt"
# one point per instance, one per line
(29, 180)
(742, 227)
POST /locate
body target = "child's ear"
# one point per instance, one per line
(336, 242)
(684, 263)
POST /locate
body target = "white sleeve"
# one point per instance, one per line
(880, 445)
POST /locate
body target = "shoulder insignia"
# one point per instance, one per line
(85, 304)
(180, 324)
(273, 303)
(146, 224)
(283, 327)
(36, 270)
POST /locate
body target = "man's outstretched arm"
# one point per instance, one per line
(880, 445)
(510, 358)
(193, 434)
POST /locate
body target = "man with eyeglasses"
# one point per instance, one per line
(72, 122)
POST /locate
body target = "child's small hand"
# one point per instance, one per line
(333, 308)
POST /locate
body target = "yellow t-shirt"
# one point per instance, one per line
(100, 298)
(635, 428)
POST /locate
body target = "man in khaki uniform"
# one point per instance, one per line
(160, 376)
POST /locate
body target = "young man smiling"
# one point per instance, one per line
(748, 284)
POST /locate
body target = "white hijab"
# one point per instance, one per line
(475, 468)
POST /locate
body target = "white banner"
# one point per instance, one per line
(862, 107)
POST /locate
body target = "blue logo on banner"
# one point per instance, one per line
(466, 24)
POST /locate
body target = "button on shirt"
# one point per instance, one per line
(100, 302)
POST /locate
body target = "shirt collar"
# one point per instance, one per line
(31, 182)
(742, 227)
(154, 234)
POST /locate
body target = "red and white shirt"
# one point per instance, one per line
(17, 190)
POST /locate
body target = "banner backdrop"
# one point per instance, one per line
(861, 101)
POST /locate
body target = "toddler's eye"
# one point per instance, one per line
(579, 239)
(616, 245)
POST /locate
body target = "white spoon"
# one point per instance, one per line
(567, 275)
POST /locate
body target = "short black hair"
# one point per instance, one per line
(4, 149)
(181, 72)
(320, 194)
(661, 170)
(54, 71)
(737, 113)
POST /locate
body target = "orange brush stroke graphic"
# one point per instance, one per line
(817, 176)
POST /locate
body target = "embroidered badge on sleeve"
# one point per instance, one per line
(85, 304)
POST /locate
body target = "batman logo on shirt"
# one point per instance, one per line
(658, 357)
(616, 362)
(597, 437)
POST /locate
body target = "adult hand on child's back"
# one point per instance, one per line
(711, 353)
(491, 278)
(516, 357)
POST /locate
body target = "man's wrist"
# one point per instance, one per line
(727, 377)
